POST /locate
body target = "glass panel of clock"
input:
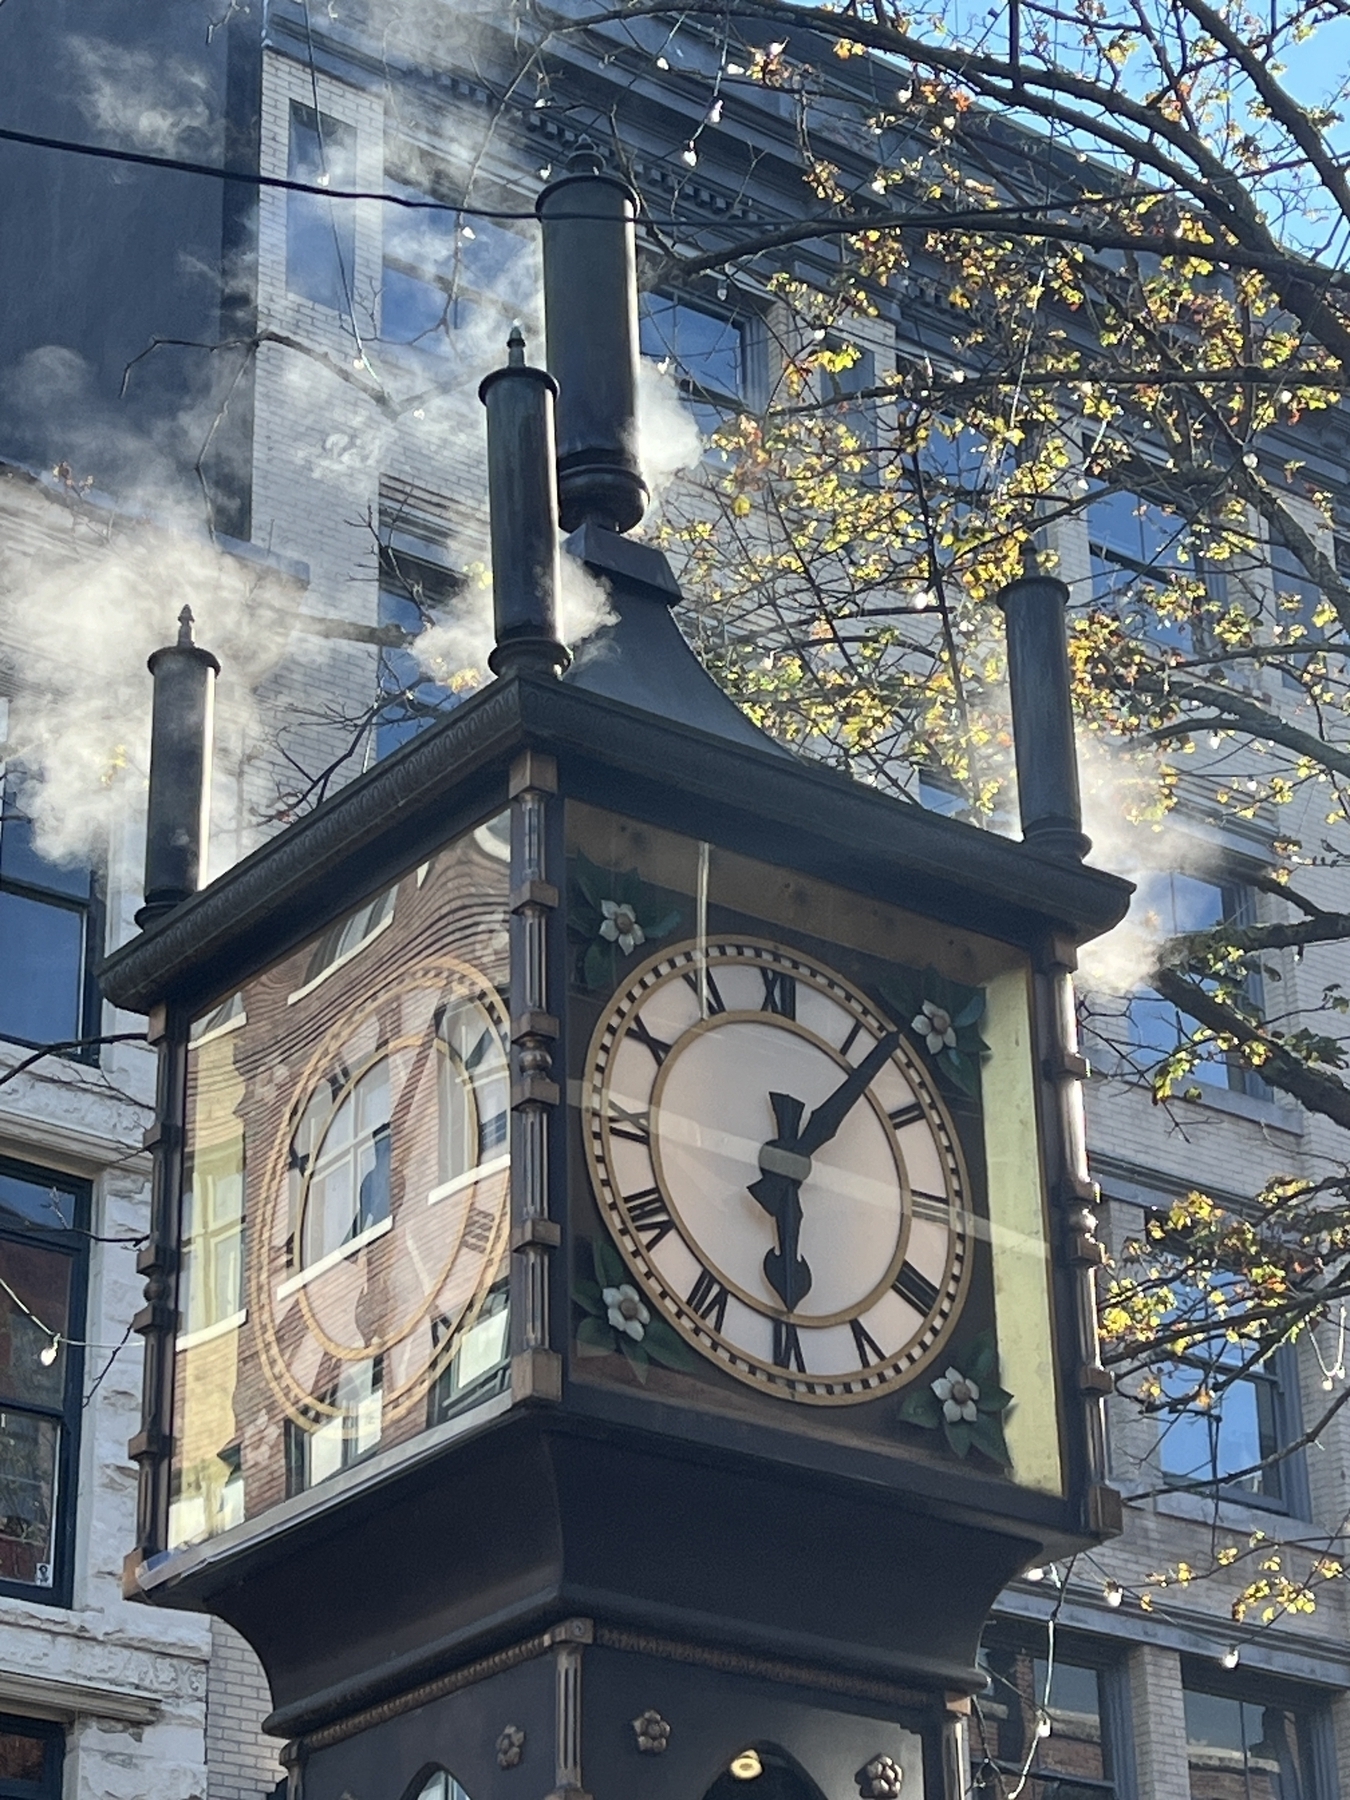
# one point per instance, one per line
(345, 1215)
(807, 1119)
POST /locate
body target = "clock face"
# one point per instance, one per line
(384, 1204)
(777, 1170)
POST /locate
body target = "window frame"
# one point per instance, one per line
(73, 1243)
(341, 223)
(53, 1737)
(1310, 1707)
(1214, 576)
(734, 310)
(1107, 1661)
(92, 914)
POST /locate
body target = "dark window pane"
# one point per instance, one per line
(1069, 1761)
(34, 1316)
(28, 1453)
(320, 233)
(42, 954)
(22, 1758)
(1238, 1750)
(707, 348)
(36, 1203)
(413, 311)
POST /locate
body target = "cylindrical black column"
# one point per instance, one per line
(590, 309)
(180, 771)
(523, 512)
(1038, 678)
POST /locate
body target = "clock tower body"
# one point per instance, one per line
(619, 1303)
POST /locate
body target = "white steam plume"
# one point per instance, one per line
(160, 104)
(668, 440)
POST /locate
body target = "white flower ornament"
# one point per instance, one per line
(934, 1025)
(958, 1394)
(619, 926)
(625, 1311)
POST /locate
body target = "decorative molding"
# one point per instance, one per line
(571, 1632)
(46, 1697)
(761, 1668)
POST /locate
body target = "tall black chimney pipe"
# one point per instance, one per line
(523, 511)
(590, 305)
(180, 772)
(1038, 678)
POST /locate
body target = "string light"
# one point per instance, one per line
(746, 1766)
(1113, 1593)
(1230, 1657)
(48, 1355)
(689, 154)
(1034, 1575)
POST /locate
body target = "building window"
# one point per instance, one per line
(321, 232)
(705, 347)
(44, 1226)
(419, 589)
(1148, 569)
(32, 1752)
(481, 1367)
(1223, 1442)
(1046, 1721)
(1250, 1742)
(1182, 903)
(49, 926)
(348, 1428)
(442, 273)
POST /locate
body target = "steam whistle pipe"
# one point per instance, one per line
(1038, 678)
(591, 324)
(180, 772)
(523, 511)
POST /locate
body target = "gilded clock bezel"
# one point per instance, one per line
(878, 1380)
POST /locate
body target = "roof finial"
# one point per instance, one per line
(185, 628)
(515, 347)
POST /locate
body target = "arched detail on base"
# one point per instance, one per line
(780, 1776)
(432, 1782)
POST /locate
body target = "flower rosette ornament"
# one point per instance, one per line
(611, 916)
(617, 1319)
(966, 1402)
(941, 1017)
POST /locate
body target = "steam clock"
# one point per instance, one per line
(619, 1298)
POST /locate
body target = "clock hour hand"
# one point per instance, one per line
(778, 1190)
(831, 1113)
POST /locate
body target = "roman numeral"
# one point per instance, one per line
(780, 993)
(915, 1287)
(479, 1051)
(704, 983)
(905, 1115)
(851, 1039)
(708, 1298)
(659, 1048)
(635, 1126)
(649, 1215)
(787, 1346)
(869, 1350)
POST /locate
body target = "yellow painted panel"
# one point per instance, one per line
(1021, 1253)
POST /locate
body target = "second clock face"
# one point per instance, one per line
(777, 1171)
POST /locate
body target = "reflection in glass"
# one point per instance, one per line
(345, 1217)
(1239, 1750)
(1044, 1720)
(28, 1494)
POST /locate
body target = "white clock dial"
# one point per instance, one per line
(777, 1170)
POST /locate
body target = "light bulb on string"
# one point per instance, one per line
(49, 1353)
(1231, 1657)
(1113, 1593)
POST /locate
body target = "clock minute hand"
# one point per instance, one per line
(831, 1113)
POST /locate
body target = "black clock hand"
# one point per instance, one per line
(831, 1113)
(778, 1191)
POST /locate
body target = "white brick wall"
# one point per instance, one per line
(241, 1761)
